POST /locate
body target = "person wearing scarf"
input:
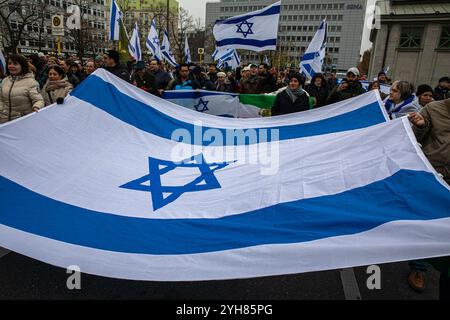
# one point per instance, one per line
(57, 86)
(293, 99)
(401, 100)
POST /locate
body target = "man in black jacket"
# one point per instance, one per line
(113, 65)
(266, 82)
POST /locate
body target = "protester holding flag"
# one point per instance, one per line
(401, 100)
(57, 86)
(293, 99)
(19, 93)
(112, 64)
(348, 88)
(318, 89)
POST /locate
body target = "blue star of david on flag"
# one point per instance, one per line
(155, 40)
(249, 28)
(202, 106)
(205, 181)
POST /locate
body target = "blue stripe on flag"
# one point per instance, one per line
(249, 42)
(268, 12)
(395, 198)
(139, 115)
(112, 22)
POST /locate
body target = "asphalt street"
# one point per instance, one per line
(25, 278)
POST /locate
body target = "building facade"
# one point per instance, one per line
(299, 20)
(413, 41)
(37, 33)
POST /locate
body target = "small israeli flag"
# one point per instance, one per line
(187, 52)
(134, 47)
(312, 60)
(114, 21)
(167, 51)
(152, 42)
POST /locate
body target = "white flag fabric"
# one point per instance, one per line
(210, 102)
(134, 46)
(152, 42)
(385, 88)
(229, 59)
(312, 61)
(167, 51)
(256, 31)
(3, 65)
(187, 52)
(115, 16)
(111, 182)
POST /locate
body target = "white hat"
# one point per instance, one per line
(353, 70)
(221, 74)
(247, 68)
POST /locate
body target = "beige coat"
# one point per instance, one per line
(51, 96)
(435, 136)
(18, 96)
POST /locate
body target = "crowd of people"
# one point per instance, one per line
(33, 82)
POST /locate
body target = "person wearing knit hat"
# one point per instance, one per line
(425, 94)
(293, 99)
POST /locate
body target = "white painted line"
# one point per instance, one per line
(3, 252)
(350, 285)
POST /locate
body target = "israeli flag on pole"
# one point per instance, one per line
(187, 52)
(134, 47)
(312, 60)
(229, 59)
(256, 31)
(3, 66)
(152, 42)
(167, 51)
(218, 53)
(115, 16)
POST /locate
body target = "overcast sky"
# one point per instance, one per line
(197, 8)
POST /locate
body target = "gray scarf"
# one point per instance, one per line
(294, 94)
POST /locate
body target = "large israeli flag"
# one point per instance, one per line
(134, 46)
(229, 59)
(102, 188)
(152, 42)
(115, 17)
(167, 51)
(256, 31)
(312, 61)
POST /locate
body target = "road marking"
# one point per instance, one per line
(350, 285)
(3, 252)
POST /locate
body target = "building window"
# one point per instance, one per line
(411, 37)
(444, 41)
